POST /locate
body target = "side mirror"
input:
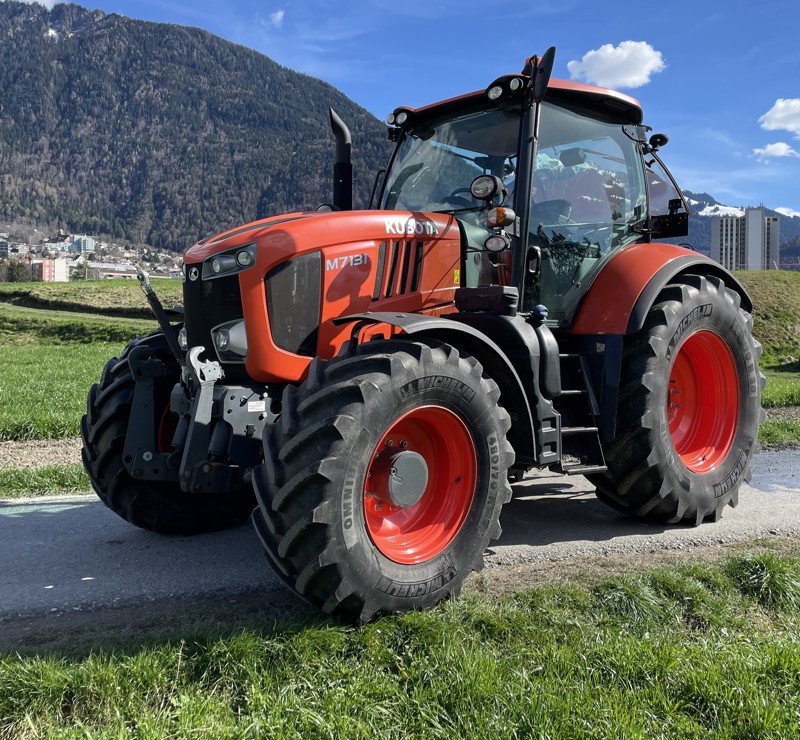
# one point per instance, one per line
(657, 141)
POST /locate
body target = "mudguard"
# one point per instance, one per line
(518, 398)
(618, 300)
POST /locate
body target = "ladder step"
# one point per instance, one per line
(573, 392)
(580, 469)
(567, 355)
(570, 431)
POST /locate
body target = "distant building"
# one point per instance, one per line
(82, 244)
(109, 271)
(746, 242)
(50, 271)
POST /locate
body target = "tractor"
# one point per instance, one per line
(367, 384)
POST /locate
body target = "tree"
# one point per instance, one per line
(18, 271)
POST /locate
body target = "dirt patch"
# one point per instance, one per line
(784, 413)
(40, 453)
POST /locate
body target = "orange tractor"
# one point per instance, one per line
(372, 380)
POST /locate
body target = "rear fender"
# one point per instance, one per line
(619, 299)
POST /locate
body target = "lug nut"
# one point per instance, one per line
(389, 443)
(404, 444)
(147, 456)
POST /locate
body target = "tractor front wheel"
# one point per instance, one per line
(158, 506)
(689, 407)
(384, 478)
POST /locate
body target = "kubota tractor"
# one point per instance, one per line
(377, 377)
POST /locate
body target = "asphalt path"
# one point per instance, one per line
(70, 554)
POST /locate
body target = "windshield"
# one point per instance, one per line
(435, 165)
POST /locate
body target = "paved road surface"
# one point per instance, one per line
(68, 554)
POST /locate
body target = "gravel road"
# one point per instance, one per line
(66, 555)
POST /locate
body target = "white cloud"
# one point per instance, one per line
(783, 116)
(778, 149)
(631, 64)
(276, 18)
(789, 212)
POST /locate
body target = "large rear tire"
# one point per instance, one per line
(384, 478)
(157, 506)
(689, 407)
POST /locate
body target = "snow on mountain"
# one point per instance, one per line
(720, 210)
(788, 212)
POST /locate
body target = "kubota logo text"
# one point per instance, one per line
(410, 227)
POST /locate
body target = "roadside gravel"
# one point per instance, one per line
(40, 453)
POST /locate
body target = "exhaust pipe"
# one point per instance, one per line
(342, 166)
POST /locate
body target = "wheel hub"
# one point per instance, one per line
(402, 477)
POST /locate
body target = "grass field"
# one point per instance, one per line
(111, 297)
(687, 651)
(50, 479)
(52, 356)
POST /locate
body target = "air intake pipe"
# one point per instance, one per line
(342, 166)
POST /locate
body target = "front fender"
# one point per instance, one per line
(621, 295)
(514, 395)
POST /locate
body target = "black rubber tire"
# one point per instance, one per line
(646, 478)
(158, 507)
(310, 516)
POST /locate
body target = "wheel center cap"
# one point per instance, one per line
(407, 478)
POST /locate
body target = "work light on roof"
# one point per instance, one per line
(494, 92)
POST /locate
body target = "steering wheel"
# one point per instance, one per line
(456, 199)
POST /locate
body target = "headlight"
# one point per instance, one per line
(485, 187)
(230, 341)
(183, 339)
(497, 243)
(230, 262)
(401, 118)
(221, 339)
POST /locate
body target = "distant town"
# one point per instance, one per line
(61, 257)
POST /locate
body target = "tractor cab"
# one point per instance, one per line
(593, 184)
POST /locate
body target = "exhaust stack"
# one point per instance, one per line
(342, 166)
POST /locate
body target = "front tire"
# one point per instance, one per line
(157, 506)
(384, 478)
(689, 407)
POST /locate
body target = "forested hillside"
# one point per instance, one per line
(159, 133)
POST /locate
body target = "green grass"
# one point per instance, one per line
(51, 479)
(779, 432)
(43, 388)
(110, 297)
(690, 651)
(776, 314)
(49, 360)
(783, 385)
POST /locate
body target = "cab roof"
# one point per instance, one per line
(610, 102)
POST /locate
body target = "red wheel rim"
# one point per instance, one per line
(703, 401)
(418, 532)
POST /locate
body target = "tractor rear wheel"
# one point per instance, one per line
(689, 407)
(384, 478)
(158, 506)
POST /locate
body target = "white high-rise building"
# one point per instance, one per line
(750, 241)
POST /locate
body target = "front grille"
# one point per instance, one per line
(403, 262)
(208, 303)
(293, 303)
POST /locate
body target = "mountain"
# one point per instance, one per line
(160, 133)
(703, 206)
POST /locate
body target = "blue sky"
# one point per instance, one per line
(710, 74)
